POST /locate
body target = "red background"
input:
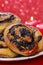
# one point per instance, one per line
(24, 9)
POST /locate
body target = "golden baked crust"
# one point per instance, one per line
(5, 20)
(20, 40)
(38, 38)
(6, 52)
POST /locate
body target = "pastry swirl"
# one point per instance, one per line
(5, 20)
(20, 40)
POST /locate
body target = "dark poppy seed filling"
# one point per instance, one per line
(19, 40)
(24, 32)
(39, 38)
(8, 19)
(24, 45)
(11, 31)
(18, 25)
(1, 46)
(1, 37)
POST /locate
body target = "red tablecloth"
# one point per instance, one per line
(25, 9)
(36, 61)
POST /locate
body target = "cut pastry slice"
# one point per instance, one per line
(7, 53)
(20, 39)
(38, 37)
(6, 19)
(4, 50)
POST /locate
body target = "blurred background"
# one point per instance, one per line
(27, 10)
(23, 8)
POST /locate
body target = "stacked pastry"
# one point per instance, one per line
(18, 39)
(6, 19)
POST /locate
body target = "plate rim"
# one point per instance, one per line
(22, 58)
